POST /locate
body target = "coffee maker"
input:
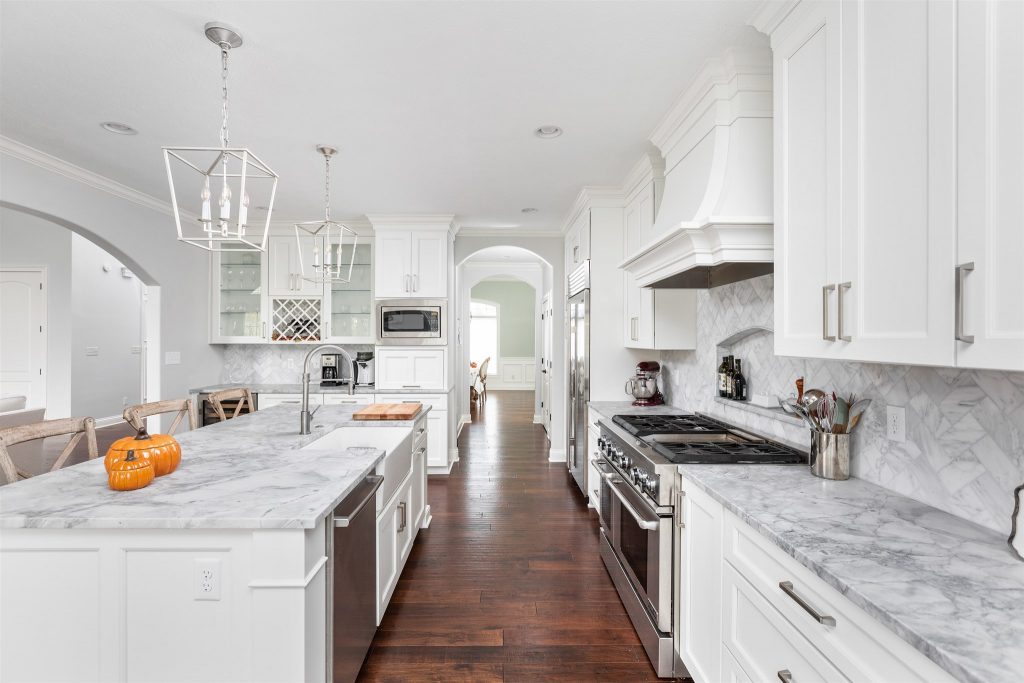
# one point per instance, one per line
(332, 373)
(643, 385)
(364, 369)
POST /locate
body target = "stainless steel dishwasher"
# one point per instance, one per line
(352, 581)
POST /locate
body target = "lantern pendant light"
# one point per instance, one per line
(240, 180)
(327, 260)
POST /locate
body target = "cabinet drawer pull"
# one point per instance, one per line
(961, 270)
(407, 283)
(839, 295)
(410, 386)
(401, 506)
(787, 588)
(679, 509)
(785, 676)
(824, 312)
(416, 282)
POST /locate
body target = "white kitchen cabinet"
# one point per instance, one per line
(655, 319)
(286, 263)
(268, 400)
(894, 294)
(415, 264)
(341, 399)
(699, 608)
(410, 368)
(990, 214)
(807, 208)
(394, 539)
(437, 425)
(577, 242)
(418, 499)
(349, 305)
(238, 308)
(737, 622)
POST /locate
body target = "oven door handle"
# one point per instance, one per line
(605, 470)
(641, 521)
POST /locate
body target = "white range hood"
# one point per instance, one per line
(714, 225)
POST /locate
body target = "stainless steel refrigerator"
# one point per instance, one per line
(579, 373)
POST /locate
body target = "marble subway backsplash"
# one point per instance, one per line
(272, 364)
(964, 451)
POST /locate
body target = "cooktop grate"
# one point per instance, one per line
(729, 453)
(645, 425)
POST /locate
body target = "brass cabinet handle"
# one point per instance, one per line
(839, 295)
(961, 271)
(787, 588)
(824, 312)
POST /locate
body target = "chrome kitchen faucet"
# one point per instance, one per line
(306, 417)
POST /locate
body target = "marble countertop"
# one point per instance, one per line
(314, 388)
(609, 409)
(246, 473)
(950, 588)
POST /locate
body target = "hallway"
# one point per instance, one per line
(507, 583)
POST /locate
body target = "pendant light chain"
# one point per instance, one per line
(224, 95)
(327, 187)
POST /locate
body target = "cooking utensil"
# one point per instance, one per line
(793, 408)
(799, 389)
(842, 415)
(856, 411)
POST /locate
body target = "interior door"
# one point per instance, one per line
(545, 376)
(23, 335)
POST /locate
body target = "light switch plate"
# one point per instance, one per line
(92, 350)
(896, 423)
(172, 358)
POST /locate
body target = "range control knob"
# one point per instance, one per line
(639, 478)
(651, 486)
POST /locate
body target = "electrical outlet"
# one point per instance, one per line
(207, 580)
(896, 423)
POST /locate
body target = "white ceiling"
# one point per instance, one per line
(431, 104)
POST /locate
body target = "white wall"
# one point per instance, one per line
(137, 230)
(552, 251)
(107, 316)
(30, 241)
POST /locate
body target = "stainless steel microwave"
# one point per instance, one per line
(412, 322)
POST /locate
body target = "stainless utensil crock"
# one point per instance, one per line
(830, 455)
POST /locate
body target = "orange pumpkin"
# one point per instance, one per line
(130, 473)
(162, 450)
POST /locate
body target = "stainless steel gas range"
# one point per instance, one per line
(639, 455)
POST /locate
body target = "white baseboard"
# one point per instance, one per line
(443, 470)
(538, 419)
(427, 518)
(464, 420)
(453, 457)
(556, 455)
(108, 421)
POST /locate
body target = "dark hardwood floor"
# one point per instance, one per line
(507, 583)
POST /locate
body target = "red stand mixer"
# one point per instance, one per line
(643, 385)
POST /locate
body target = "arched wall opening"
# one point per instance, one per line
(137, 230)
(545, 256)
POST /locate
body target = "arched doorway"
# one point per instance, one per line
(91, 341)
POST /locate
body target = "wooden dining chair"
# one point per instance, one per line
(76, 426)
(482, 376)
(242, 395)
(136, 415)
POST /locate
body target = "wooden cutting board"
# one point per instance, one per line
(388, 411)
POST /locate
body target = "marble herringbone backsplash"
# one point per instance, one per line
(270, 364)
(964, 451)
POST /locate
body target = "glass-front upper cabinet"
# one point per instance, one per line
(238, 313)
(350, 319)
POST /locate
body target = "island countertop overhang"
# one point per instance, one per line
(246, 473)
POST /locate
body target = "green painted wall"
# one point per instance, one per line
(516, 320)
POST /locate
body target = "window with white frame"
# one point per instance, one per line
(483, 331)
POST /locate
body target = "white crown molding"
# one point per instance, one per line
(502, 232)
(405, 221)
(717, 71)
(48, 162)
(650, 167)
(770, 13)
(593, 197)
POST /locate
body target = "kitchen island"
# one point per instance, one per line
(214, 572)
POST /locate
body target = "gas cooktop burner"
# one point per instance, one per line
(711, 453)
(645, 425)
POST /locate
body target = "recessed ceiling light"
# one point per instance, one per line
(530, 209)
(548, 132)
(119, 128)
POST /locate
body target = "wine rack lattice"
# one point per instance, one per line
(295, 319)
